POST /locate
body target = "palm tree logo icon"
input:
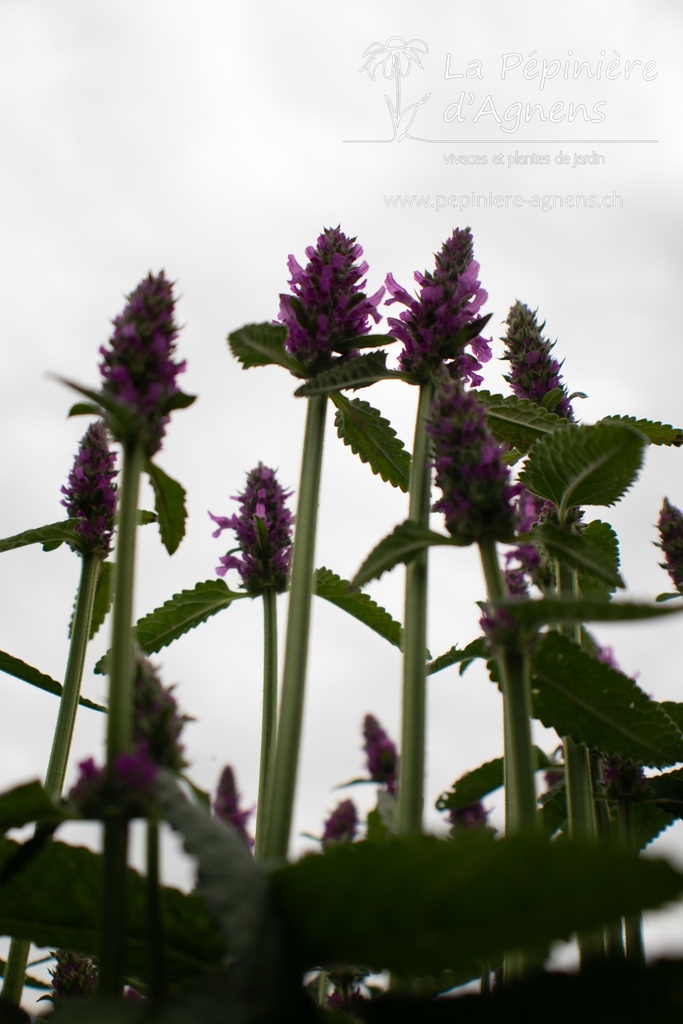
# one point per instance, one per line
(396, 58)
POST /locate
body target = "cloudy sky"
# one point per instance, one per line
(212, 140)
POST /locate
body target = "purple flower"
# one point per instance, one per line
(670, 526)
(327, 309)
(534, 372)
(73, 976)
(90, 494)
(342, 824)
(472, 817)
(138, 367)
(622, 778)
(449, 300)
(226, 806)
(127, 789)
(157, 724)
(500, 627)
(477, 495)
(264, 533)
(517, 577)
(382, 759)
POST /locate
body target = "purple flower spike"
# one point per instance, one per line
(128, 788)
(73, 976)
(382, 759)
(477, 497)
(534, 372)
(342, 824)
(670, 526)
(473, 817)
(90, 494)
(138, 367)
(226, 806)
(264, 533)
(157, 722)
(328, 308)
(449, 300)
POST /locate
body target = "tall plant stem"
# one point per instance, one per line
(412, 764)
(120, 725)
(155, 918)
(633, 924)
(281, 803)
(268, 714)
(520, 760)
(17, 959)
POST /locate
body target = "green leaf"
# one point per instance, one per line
(169, 503)
(20, 670)
(476, 649)
(120, 415)
(49, 536)
(30, 802)
(55, 901)
(29, 980)
(655, 432)
(178, 616)
(422, 905)
(584, 698)
(104, 597)
(547, 611)
(263, 345)
(359, 372)
(403, 544)
(370, 436)
(585, 555)
(667, 792)
(519, 422)
(336, 590)
(604, 542)
(475, 785)
(584, 465)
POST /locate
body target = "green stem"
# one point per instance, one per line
(15, 971)
(155, 920)
(520, 760)
(120, 725)
(268, 714)
(281, 804)
(412, 763)
(633, 924)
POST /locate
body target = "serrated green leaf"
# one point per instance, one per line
(552, 814)
(584, 698)
(263, 345)
(549, 611)
(476, 649)
(370, 436)
(49, 536)
(473, 786)
(30, 981)
(655, 432)
(517, 421)
(55, 902)
(470, 897)
(30, 802)
(334, 589)
(120, 415)
(584, 465)
(28, 674)
(359, 372)
(403, 544)
(178, 616)
(104, 597)
(604, 541)
(169, 503)
(583, 554)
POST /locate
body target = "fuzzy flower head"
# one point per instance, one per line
(342, 824)
(534, 372)
(264, 533)
(328, 308)
(477, 495)
(449, 301)
(226, 806)
(128, 788)
(380, 751)
(73, 976)
(137, 365)
(157, 722)
(90, 494)
(474, 816)
(670, 526)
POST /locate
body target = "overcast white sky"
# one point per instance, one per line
(209, 139)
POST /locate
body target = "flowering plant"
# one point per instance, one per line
(380, 918)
